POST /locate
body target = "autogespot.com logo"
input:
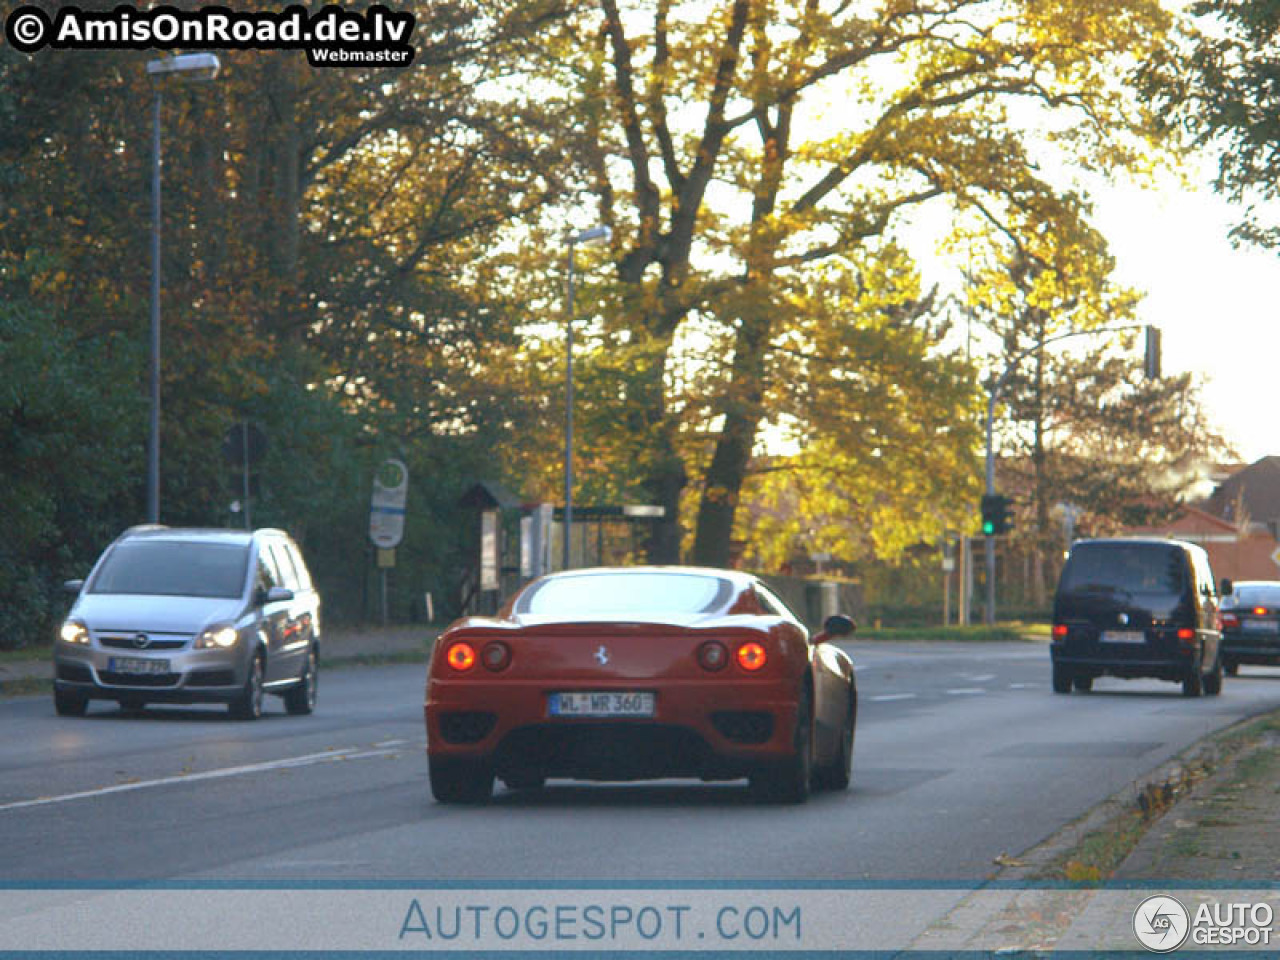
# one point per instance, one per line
(1161, 924)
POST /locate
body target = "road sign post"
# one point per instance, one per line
(386, 516)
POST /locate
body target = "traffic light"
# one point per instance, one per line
(996, 517)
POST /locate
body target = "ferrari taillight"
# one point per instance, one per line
(495, 655)
(713, 656)
(461, 656)
(751, 656)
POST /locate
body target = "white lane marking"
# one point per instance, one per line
(978, 677)
(965, 691)
(886, 697)
(1023, 686)
(391, 743)
(329, 756)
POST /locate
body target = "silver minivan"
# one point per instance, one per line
(172, 615)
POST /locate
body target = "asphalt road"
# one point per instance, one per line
(962, 754)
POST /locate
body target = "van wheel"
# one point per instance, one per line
(1061, 680)
(1083, 684)
(300, 700)
(68, 704)
(1213, 679)
(1231, 667)
(248, 704)
(1191, 685)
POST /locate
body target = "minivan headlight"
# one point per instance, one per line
(73, 631)
(220, 637)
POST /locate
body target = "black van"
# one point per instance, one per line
(1137, 608)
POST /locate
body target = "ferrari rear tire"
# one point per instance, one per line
(460, 781)
(792, 779)
(840, 773)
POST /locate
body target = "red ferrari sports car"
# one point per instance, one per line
(639, 673)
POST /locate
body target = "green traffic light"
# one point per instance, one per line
(988, 528)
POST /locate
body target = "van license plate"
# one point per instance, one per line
(137, 665)
(1123, 636)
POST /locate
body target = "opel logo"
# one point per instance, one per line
(1123, 618)
(142, 641)
(602, 655)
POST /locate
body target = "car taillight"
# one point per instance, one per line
(1059, 630)
(1186, 633)
(713, 656)
(751, 656)
(1230, 620)
(1260, 611)
(461, 656)
(496, 655)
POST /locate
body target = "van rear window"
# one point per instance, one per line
(1153, 568)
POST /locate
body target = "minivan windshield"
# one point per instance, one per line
(1147, 568)
(173, 568)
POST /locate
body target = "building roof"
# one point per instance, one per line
(1251, 494)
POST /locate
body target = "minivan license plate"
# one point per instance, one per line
(1123, 636)
(601, 704)
(137, 665)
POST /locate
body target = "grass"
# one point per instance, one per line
(1012, 632)
(42, 651)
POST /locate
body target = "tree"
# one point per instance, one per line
(1220, 85)
(708, 155)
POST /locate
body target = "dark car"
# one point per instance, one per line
(174, 615)
(1137, 608)
(640, 673)
(1251, 624)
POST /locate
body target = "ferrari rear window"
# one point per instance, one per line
(621, 593)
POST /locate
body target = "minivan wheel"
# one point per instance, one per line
(1061, 680)
(300, 700)
(1213, 679)
(1191, 685)
(69, 704)
(248, 704)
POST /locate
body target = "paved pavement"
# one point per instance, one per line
(1224, 830)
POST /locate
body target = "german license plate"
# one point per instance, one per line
(1260, 626)
(1123, 636)
(601, 704)
(137, 665)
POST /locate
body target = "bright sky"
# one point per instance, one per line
(1218, 307)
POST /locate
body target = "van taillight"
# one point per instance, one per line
(1059, 631)
(1186, 633)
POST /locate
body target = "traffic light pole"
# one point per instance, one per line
(1152, 370)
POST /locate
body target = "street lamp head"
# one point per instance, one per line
(196, 66)
(601, 233)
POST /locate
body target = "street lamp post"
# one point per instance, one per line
(201, 66)
(598, 234)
